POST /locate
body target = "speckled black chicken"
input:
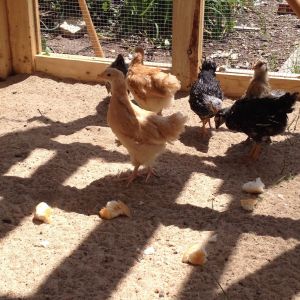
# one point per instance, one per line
(206, 95)
(258, 118)
(119, 64)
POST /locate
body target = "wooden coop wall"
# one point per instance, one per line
(20, 49)
(5, 57)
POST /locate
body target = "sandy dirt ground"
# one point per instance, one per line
(55, 146)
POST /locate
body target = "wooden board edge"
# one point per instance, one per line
(87, 68)
(235, 85)
(78, 67)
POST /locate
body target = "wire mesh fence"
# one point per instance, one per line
(236, 32)
(239, 32)
(121, 25)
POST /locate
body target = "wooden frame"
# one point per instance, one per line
(188, 22)
(20, 51)
(24, 34)
(78, 67)
(5, 57)
(235, 82)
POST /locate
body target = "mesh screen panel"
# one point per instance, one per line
(120, 24)
(239, 32)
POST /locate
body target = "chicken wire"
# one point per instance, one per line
(120, 24)
(239, 32)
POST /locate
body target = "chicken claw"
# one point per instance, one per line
(134, 174)
(151, 171)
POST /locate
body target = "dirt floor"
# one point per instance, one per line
(56, 147)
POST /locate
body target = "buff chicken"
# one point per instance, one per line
(144, 134)
(152, 88)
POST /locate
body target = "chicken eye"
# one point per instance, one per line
(108, 74)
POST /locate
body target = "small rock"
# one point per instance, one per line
(234, 56)
(161, 294)
(149, 251)
(213, 239)
(44, 243)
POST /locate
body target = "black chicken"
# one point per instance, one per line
(259, 118)
(206, 95)
(119, 64)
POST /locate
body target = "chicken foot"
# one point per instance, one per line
(134, 174)
(151, 171)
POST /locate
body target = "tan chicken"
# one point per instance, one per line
(153, 89)
(259, 86)
(144, 134)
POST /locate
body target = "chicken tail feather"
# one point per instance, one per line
(286, 102)
(173, 126)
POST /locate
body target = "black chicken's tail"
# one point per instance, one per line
(286, 102)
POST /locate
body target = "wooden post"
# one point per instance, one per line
(23, 34)
(295, 5)
(5, 57)
(188, 22)
(91, 29)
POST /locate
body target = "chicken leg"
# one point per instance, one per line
(255, 152)
(203, 128)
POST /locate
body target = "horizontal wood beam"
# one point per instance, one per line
(5, 56)
(87, 68)
(78, 67)
(234, 85)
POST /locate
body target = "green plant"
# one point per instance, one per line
(296, 69)
(219, 17)
(272, 62)
(150, 18)
(45, 49)
(146, 19)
